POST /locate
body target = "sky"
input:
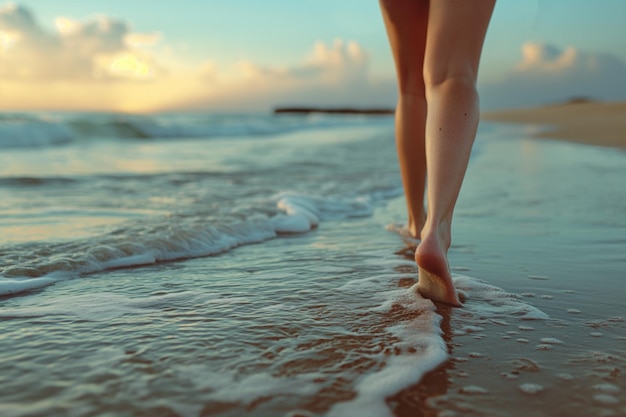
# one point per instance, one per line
(252, 55)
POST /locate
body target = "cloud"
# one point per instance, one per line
(336, 63)
(335, 74)
(547, 74)
(102, 64)
(341, 62)
(101, 48)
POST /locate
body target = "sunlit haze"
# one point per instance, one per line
(245, 55)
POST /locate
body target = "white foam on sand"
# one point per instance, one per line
(400, 372)
(420, 347)
(530, 388)
(97, 307)
(417, 348)
(250, 388)
(491, 302)
(417, 345)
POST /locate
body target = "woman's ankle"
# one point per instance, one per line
(439, 230)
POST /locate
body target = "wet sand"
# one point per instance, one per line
(587, 122)
(311, 325)
(528, 221)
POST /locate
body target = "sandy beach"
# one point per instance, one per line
(588, 122)
(249, 265)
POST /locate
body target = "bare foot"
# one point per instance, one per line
(413, 231)
(415, 225)
(409, 232)
(435, 280)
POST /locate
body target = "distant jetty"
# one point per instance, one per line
(340, 110)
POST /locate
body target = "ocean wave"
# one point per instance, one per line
(24, 133)
(39, 130)
(170, 239)
(35, 181)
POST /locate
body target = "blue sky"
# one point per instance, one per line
(264, 48)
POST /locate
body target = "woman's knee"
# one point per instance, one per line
(435, 76)
(457, 79)
(412, 90)
(410, 81)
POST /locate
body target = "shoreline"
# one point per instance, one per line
(590, 122)
(333, 110)
(580, 121)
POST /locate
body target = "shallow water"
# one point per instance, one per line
(317, 323)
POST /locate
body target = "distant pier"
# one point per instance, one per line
(331, 110)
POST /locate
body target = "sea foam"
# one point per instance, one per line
(420, 347)
(97, 307)
(10, 286)
(174, 239)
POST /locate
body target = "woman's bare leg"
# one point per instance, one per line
(456, 30)
(406, 22)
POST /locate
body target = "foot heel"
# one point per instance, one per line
(434, 287)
